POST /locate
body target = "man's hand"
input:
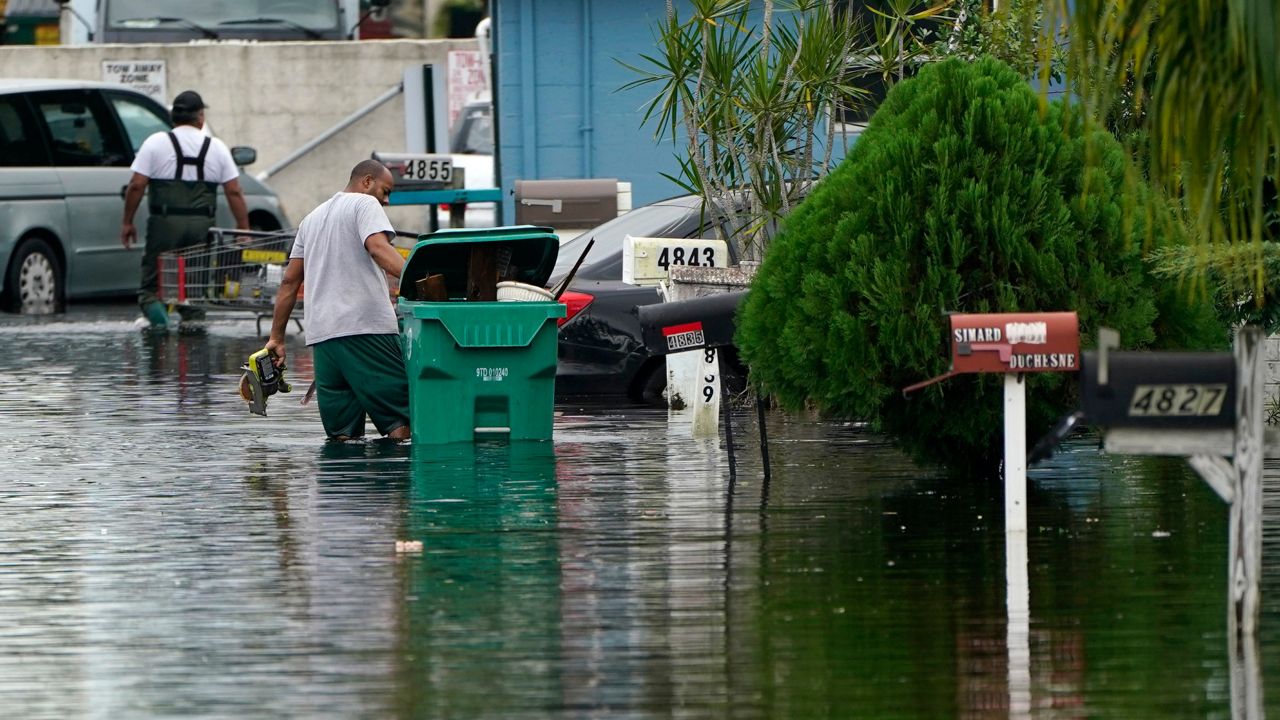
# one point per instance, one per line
(275, 346)
(128, 235)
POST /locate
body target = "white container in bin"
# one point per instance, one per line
(511, 291)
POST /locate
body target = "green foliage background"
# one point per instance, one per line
(960, 196)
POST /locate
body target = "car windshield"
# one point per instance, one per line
(313, 15)
(648, 221)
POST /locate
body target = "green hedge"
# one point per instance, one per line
(960, 196)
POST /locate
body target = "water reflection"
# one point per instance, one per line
(482, 597)
(164, 553)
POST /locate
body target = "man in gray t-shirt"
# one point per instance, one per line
(343, 248)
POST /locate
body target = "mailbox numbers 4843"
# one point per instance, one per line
(693, 257)
(1177, 400)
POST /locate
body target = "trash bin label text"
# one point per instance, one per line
(494, 374)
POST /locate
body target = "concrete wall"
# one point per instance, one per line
(275, 97)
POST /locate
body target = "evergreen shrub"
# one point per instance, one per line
(961, 195)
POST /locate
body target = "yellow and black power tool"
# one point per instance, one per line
(262, 378)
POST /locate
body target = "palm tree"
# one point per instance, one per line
(1203, 78)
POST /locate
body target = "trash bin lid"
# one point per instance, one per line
(448, 252)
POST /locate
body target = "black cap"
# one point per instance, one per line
(188, 101)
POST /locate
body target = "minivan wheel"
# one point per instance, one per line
(34, 282)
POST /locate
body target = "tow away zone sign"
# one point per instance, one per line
(146, 76)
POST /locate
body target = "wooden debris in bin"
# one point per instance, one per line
(482, 275)
(432, 288)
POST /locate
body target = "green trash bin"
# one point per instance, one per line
(479, 368)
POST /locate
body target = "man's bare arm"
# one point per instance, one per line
(235, 201)
(132, 199)
(286, 298)
(384, 253)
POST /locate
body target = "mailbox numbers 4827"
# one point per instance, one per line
(693, 257)
(1177, 400)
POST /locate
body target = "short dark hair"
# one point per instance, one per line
(367, 167)
(184, 117)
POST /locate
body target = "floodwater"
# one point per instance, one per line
(165, 554)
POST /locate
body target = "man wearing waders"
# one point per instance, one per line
(180, 170)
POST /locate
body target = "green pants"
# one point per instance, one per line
(358, 375)
(165, 233)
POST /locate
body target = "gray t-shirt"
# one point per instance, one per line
(344, 290)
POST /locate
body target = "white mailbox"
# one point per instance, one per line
(648, 261)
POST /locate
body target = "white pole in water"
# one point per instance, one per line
(1015, 453)
(1245, 568)
(1018, 593)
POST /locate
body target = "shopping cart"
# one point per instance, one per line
(233, 270)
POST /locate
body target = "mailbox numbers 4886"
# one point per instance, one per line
(693, 257)
(1177, 400)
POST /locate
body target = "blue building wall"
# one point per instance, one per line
(561, 113)
(560, 110)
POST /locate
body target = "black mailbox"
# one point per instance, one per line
(705, 322)
(1167, 390)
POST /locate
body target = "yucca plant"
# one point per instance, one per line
(747, 104)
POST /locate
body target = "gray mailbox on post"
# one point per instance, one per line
(1208, 408)
(566, 203)
(1162, 390)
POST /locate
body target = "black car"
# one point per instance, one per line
(601, 350)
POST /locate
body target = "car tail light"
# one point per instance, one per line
(574, 302)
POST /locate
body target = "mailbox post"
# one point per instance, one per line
(1206, 407)
(430, 179)
(1013, 344)
(703, 324)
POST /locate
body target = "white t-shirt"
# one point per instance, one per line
(155, 158)
(346, 293)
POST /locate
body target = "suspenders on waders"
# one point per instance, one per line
(178, 197)
(182, 211)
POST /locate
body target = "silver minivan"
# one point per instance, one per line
(65, 151)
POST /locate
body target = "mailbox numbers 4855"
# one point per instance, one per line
(1177, 400)
(433, 169)
(693, 257)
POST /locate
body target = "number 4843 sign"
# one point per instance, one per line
(648, 261)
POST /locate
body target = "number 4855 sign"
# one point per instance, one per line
(415, 171)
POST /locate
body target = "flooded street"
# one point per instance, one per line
(163, 553)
